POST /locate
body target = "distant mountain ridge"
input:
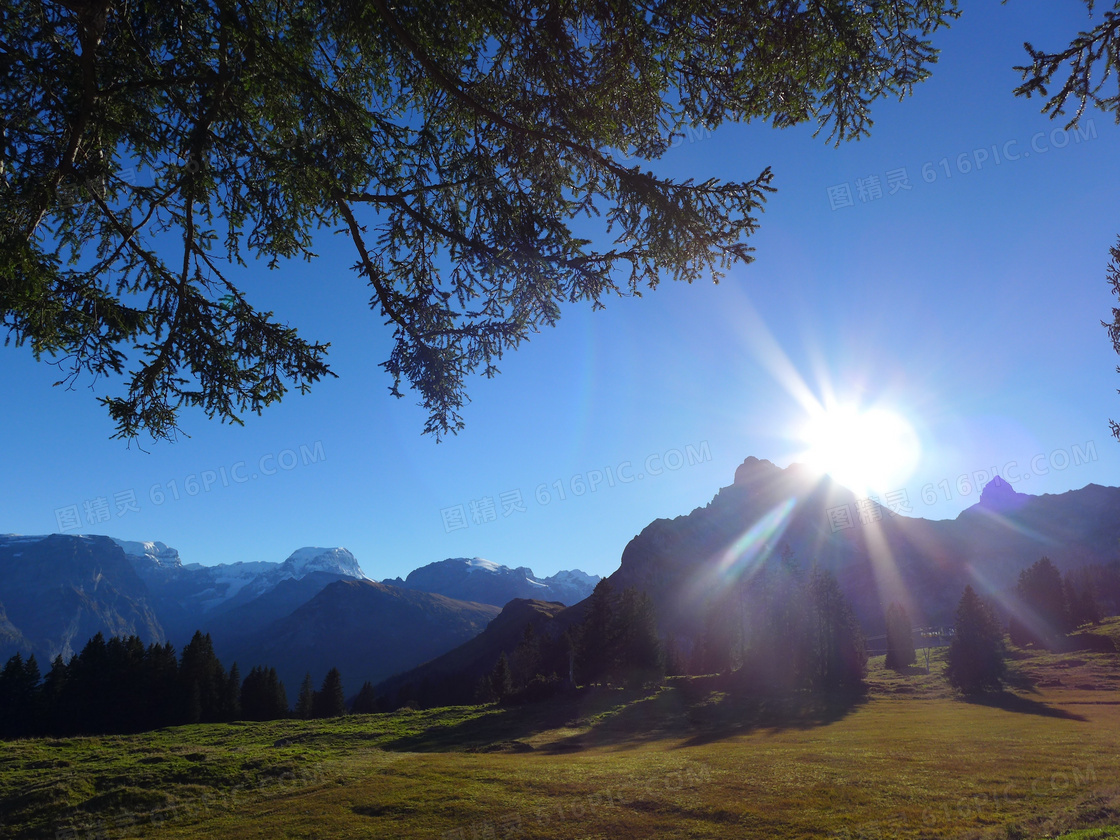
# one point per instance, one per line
(189, 596)
(485, 582)
(58, 591)
(878, 555)
(368, 630)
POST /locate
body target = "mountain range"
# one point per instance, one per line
(317, 608)
(475, 579)
(878, 555)
(314, 610)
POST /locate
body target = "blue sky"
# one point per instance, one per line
(968, 304)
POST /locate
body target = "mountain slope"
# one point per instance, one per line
(59, 591)
(922, 563)
(367, 630)
(685, 562)
(456, 672)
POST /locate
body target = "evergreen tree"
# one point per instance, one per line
(976, 653)
(330, 701)
(278, 705)
(1082, 605)
(526, 660)
(91, 700)
(501, 681)
(232, 702)
(900, 639)
(365, 703)
(717, 645)
(163, 692)
(204, 680)
(305, 705)
(19, 696)
(254, 695)
(839, 655)
(1043, 614)
(596, 644)
(638, 657)
(53, 699)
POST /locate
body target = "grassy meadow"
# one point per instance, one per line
(686, 760)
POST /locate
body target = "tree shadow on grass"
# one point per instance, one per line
(705, 710)
(1009, 702)
(692, 711)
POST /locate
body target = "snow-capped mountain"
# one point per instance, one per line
(485, 582)
(188, 595)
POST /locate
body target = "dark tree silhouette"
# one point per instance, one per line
(1043, 616)
(501, 680)
(976, 653)
(900, 639)
(330, 701)
(365, 702)
(305, 704)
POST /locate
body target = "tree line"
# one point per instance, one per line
(120, 686)
(782, 629)
(1045, 608)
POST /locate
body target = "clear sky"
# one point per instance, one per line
(968, 305)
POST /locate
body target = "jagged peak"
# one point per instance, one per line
(998, 495)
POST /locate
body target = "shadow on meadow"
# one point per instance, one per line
(1009, 702)
(697, 710)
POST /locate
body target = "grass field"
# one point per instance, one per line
(687, 760)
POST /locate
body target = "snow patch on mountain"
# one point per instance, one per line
(487, 582)
(153, 553)
(473, 564)
(303, 561)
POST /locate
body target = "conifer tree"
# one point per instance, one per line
(501, 681)
(305, 705)
(976, 652)
(365, 702)
(900, 639)
(330, 701)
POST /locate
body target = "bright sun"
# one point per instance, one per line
(873, 450)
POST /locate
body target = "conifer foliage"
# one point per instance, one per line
(976, 657)
(120, 686)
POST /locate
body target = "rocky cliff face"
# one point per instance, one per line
(59, 591)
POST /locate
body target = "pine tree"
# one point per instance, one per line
(900, 639)
(501, 681)
(596, 643)
(305, 705)
(976, 653)
(365, 703)
(232, 704)
(839, 655)
(53, 698)
(1043, 615)
(203, 679)
(278, 697)
(330, 701)
(254, 695)
(19, 695)
(526, 659)
(638, 655)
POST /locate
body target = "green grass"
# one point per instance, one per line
(691, 759)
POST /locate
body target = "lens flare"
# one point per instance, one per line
(865, 450)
